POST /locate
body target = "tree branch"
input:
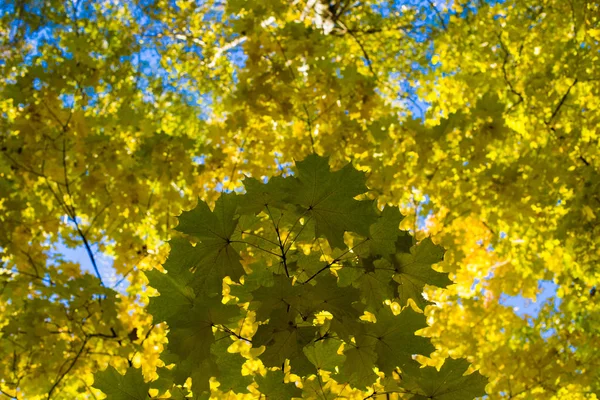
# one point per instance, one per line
(281, 246)
(561, 102)
(61, 376)
(329, 264)
(437, 12)
(508, 82)
(72, 212)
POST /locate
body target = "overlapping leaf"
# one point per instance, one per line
(329, 198)
(214, 255)
(413, 271)
(130, 386)
(449, 383)
(307, 294)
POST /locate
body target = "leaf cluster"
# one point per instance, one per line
(316, 265)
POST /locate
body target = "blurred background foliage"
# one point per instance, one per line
(478, 118)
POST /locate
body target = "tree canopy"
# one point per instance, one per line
(299, 161)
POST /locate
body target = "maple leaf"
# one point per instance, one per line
(449, 383)
(273, 386)
(413, 272)
(191, 332)
(375, 285)
(307, 265)
(214, 254)
(276, 295)
(229, 367)
(326, 295)
(316, 389)
(387, 344)
(360, 361)
(258, 196)
(395, 339)
(130, 386)
(329, 198)
(324, 354)
(282, 294)
(175, 297)
(178, 393)
(185, 258)
(167, 378)
(200, 371)
(384, 232)
(284, 338)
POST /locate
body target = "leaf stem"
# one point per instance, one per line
(338, 258)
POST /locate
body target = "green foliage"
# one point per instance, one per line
(413, 271)
(214, 257)
(296, 238)
(274, 387)
(449, 383)
(130, 386)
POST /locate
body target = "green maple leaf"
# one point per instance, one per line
(214, 255)
(184, 258)
(274, 387)
(326, 295)
(283, 339)
(405, 242)
(413, 272)
(260, 195)
(191, 333)
(197, 354)
(449, 383)
(360, 361)
(201, 372)
(260, 277)
(165, 379)
(306, 265)
(203, 223)
(175, 297)
(130, 386)
(375, 286)
(383, 234)
(395, 339)
(316, 389)
(282, 295)
(349, 274)
(178, 393)
(329, 199)
(229, 367)
(324, 354)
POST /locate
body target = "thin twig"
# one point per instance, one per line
(232, 333)
(505, 73)
(437, 12)
(338, 258)
(561, 102)
(61, 377)
(365, 54)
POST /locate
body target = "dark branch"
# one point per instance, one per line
(561, 102)
(437, 12)
(329, 264)
(62, 376)
(506, 79)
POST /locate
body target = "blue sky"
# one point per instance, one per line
(104, 263)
